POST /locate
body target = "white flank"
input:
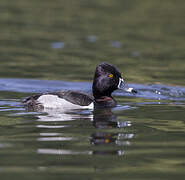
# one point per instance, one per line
(53, 101)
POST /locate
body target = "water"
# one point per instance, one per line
(53, 45)
(142, 137)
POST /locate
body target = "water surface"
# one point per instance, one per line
(143, 137)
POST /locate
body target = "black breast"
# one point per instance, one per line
(105, 101)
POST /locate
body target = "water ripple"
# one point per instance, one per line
(153, 91)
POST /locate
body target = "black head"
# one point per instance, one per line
(106, 80)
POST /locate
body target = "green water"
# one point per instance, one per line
(150, 33)
(65, 40)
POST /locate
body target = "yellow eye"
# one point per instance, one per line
(111, 75)
(107, 141)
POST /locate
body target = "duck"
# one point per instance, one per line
(106, 80)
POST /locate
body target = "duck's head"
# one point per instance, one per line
(108, 79)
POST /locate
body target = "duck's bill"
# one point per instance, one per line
(123, 86)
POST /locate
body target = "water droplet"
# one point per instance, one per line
(158, 92)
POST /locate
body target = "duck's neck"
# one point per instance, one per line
(105, 101)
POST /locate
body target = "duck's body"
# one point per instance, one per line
(61, 99)
(106, 79)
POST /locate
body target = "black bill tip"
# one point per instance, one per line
(134, 91)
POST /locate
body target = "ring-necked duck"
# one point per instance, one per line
(106, 80)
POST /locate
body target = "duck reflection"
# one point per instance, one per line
(104, 120)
